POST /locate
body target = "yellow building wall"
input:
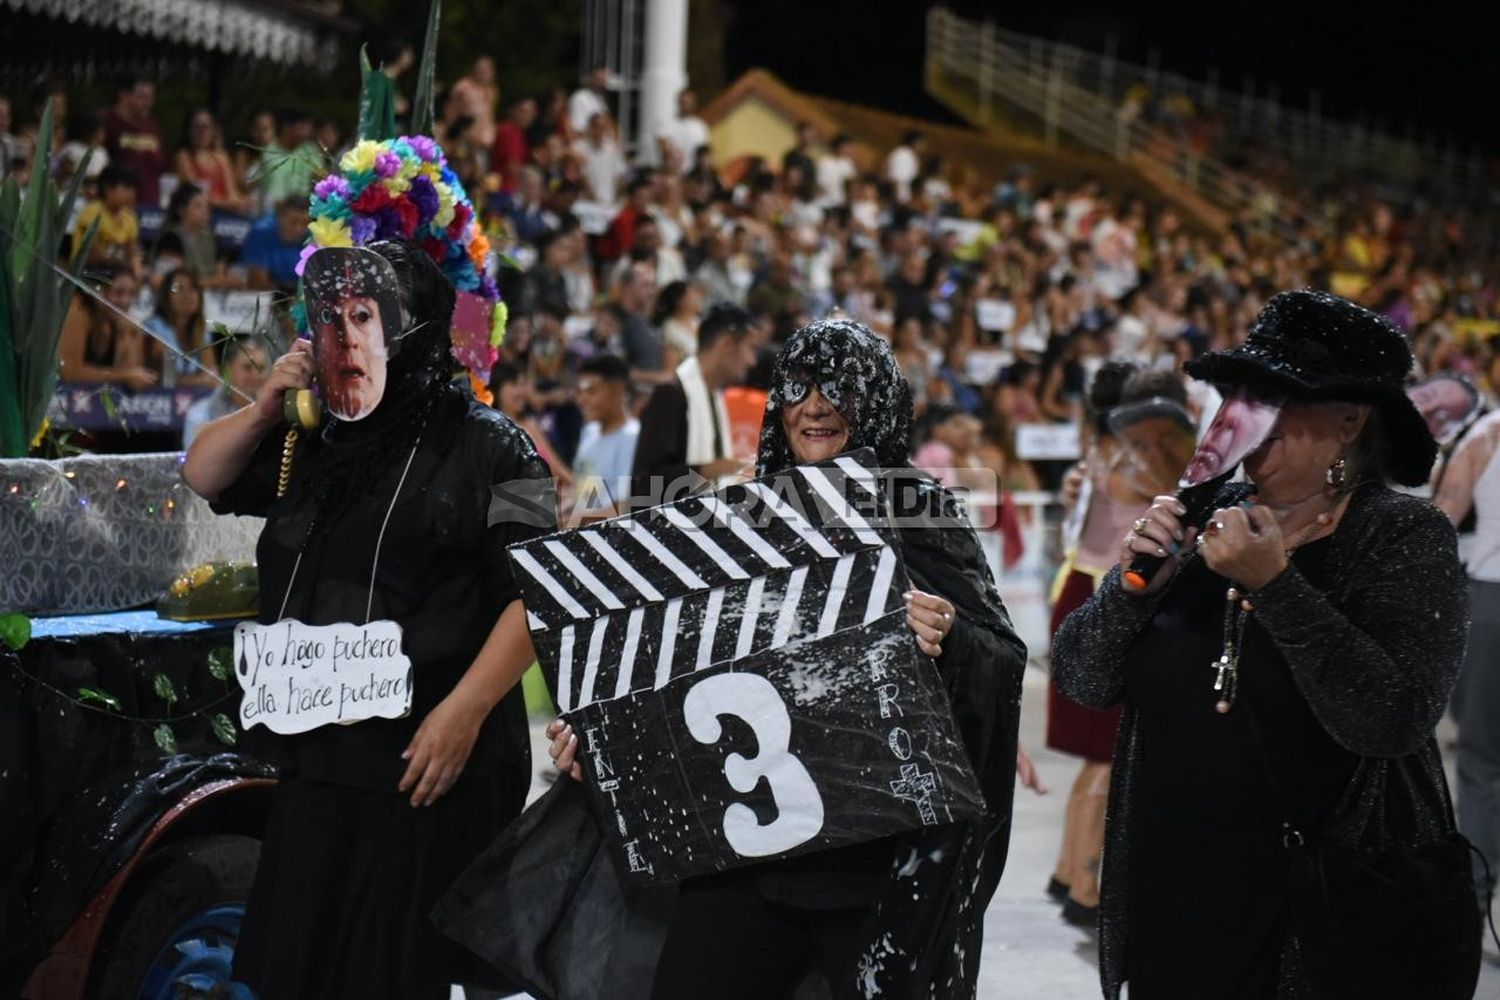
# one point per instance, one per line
(752, 128)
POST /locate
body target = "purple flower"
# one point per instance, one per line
(488, 289)
(425, 197)
(424, 147)
(387, 164)
(387, 223)
(362, 229)
(333, 184)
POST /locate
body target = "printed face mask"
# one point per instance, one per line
(1447, 403)
(1242, 423)
(354, 313)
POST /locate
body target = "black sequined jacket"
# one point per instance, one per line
(1375, 655)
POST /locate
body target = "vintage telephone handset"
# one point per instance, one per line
(301, 409)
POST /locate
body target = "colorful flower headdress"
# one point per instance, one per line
(403, 188)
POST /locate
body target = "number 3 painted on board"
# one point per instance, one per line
(799, 807)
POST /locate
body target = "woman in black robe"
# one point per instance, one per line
(900, 917)
(372, 821)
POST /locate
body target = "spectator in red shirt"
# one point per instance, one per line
(133, 138)
(511, 150)
(620, 236)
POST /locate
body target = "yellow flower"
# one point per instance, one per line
(397, 186)
(446, 203)
(330, 233)
(498, 321)
(361, 157)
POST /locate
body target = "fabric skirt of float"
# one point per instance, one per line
(347, 877)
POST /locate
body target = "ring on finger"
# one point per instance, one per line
(1139, 526)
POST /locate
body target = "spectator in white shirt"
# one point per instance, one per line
(588, 100)
(904, 163)
(606, 448)
(835, 171)
(647, 246)
(604, 165)
(686, 133)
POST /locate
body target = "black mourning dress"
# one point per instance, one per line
(349, 869)
(1207, 900)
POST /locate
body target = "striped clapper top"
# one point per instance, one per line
(629, 604)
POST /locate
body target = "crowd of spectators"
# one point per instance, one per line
(999, 302)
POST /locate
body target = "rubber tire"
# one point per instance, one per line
(177, 881)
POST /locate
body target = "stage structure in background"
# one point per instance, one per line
(740, 672)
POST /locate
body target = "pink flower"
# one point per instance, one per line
(307, 252)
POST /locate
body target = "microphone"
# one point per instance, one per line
(1200, 502)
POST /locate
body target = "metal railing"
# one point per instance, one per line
(970, 61)
(613, 36)
(1096, 100)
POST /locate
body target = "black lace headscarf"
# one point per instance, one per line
(859, 376)
(418, 376)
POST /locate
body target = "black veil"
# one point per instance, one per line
(856, 372)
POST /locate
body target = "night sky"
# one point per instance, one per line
(1430, 67)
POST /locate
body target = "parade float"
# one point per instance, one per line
(133, 823)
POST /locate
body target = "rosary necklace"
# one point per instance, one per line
(1237, 608)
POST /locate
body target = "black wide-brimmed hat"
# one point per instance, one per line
(1309, 346)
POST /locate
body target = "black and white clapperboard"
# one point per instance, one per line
(741, 675)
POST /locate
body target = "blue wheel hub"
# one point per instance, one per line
(197, 959)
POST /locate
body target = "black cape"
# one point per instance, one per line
(547, 907)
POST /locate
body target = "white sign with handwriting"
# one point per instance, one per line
(298, 677)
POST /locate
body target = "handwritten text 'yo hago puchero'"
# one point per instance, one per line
(298, 677)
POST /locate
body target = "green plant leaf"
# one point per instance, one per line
(165, 738)
(97, 697)
(107, 397)
(224, 730)
(221, 662)
(15, 630)
(377, 101)
(165, 690)
(421, 105)
(36, 292)
(37, 324)
(14, 442)
(65, 207)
